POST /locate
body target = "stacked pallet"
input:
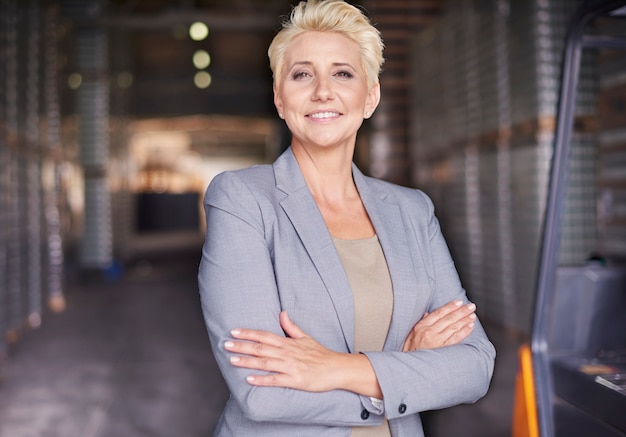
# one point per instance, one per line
(485, 83)
(31, 240)
(611, 104)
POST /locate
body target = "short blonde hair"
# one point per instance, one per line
(330, 16)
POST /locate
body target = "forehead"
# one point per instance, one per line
(329, 46)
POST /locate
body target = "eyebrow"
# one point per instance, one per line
(335, 64)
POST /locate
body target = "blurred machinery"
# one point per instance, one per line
(572, 377)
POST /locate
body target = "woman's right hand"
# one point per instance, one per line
(447, 325)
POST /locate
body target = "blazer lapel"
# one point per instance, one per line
(307, 220)
(385, 213)
(391, 228)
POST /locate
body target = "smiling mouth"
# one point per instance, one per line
(323, 115)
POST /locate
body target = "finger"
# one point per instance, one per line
(448, 324)
(452, 325)
(461, 334)
(252, 348)
(281, 373)
(457, 326)
(277, 371)
(291, 329)
(454, 317)
(271, 380)
(258, 336)
(288, 380)
(443, 311)
(259, 363)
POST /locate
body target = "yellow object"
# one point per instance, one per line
(525, 422)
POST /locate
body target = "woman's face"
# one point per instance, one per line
(323, 93)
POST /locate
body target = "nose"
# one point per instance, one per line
(323, 89)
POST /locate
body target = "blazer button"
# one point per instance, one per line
(402, 408)
(365, 414)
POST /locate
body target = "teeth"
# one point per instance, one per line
(324, 115)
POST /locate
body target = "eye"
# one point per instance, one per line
(300, 75)
(344, 74)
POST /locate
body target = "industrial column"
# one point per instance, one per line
(398, 21)
(92, 110)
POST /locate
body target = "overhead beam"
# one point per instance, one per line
(221, 21)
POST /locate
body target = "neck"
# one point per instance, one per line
(327, 172)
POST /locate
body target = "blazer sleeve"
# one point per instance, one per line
(435, 378)
(238, 289)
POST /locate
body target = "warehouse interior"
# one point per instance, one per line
(116, 114)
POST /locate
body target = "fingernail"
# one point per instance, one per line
(471, 325)
(472, 316)
(458, 303)
(235, 332)
(471, 306)
(250, 378)
(229, 344)
(235, 359)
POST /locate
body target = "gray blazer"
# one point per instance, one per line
(267, 249)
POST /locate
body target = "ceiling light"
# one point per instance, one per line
(198, 31)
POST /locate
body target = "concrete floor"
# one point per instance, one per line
(131, 358)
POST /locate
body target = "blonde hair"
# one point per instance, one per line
(330, 16)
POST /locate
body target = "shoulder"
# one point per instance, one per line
(248, 194)
(245, 176)
(403, 196)
(249, 180)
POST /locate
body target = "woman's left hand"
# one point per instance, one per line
(447, 325)
(297, 361)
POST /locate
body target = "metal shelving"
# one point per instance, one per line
(31, 260)
(484, 91)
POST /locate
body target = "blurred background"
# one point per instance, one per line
(116, 114)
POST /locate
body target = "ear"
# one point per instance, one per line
(278, 102)
(373, 99)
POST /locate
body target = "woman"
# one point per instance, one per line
(331, 301)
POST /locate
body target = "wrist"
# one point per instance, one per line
(356, 374)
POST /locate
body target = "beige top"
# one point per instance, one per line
(366, 268)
